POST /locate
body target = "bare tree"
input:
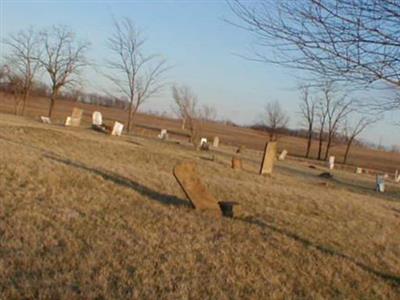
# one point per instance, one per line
(12, 84)
(136, 75)
(24, 50)
(185, 107)
(322, 112)
(351, 40)
(308, 111)
(63, 58)
(275, 119)
(208, 112)
(351, 132)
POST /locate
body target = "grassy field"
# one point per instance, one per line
(85, 215)
(229, 135)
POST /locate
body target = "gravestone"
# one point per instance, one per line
(331, 162)
(216, 142)
(380, 183)
(236, 163)
(97, 118)
(269, 157)
(76, 117)
(45, 120)
(397, 176)
(203, 141)
(68, 121)
(282, 156)
(201, 199)
(163, 134)
(359, 170)
(117, 128)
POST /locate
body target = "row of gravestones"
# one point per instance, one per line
(97, 122)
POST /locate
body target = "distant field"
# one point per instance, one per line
(229, 135)
(84, 215)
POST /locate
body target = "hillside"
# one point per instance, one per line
(86, 215)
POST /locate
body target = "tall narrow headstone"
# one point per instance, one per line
(97, 118)
(397, 176)
(331, 162)
(117, 129)
(283, 154)
(380, 183)
(201, 199)
(269, 157)
(216, 142)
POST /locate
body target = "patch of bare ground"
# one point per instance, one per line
(85, 215)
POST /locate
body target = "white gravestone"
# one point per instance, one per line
(163, 134)
(397, 176)
(203, 141)
(282, 156)
(97, 118)
(380, 183)
(117, 129)
(358, 171)
(45, 120)
(331, 162)
(68, 121)
(216, 142)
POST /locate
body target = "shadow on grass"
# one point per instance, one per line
(126, 182)
(392, 279)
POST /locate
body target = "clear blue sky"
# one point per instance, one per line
(195, 39)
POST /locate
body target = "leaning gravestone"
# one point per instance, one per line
(268, 161)
(216, 142)
(380, 183)
(282, 156)
(201, 199)
(97, 118)
(331, 162)
(117, 129)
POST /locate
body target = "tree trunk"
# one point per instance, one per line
(26, 96)
(130, 108)
(309, 142)
(51, 107)
(132, 114)
(328, 147)
(321, 133)
(346, 154)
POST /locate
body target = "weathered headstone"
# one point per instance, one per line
(203, 141)
(76, 117)
(359, 170)
(283, 154)
(117, 128)
(201, 199)
(236, 163)
(45, 120)
(216, 142)
(380, 183)
(163, 134)
(331, 162)
(97, 118)
(269, 157)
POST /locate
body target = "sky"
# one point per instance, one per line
(204, 50)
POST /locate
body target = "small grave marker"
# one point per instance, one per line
(203, 141)
(283, 154)
(269, 157)
(45, 120)
(68, 121)
(97, 118)
(216, 142)
(201, 199)
(163, 134)
(331, 162)
(359, 170)
(380, 183)
(117, 128)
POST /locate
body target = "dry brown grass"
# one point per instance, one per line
(85, 215)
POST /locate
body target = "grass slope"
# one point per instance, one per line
(84, 215)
